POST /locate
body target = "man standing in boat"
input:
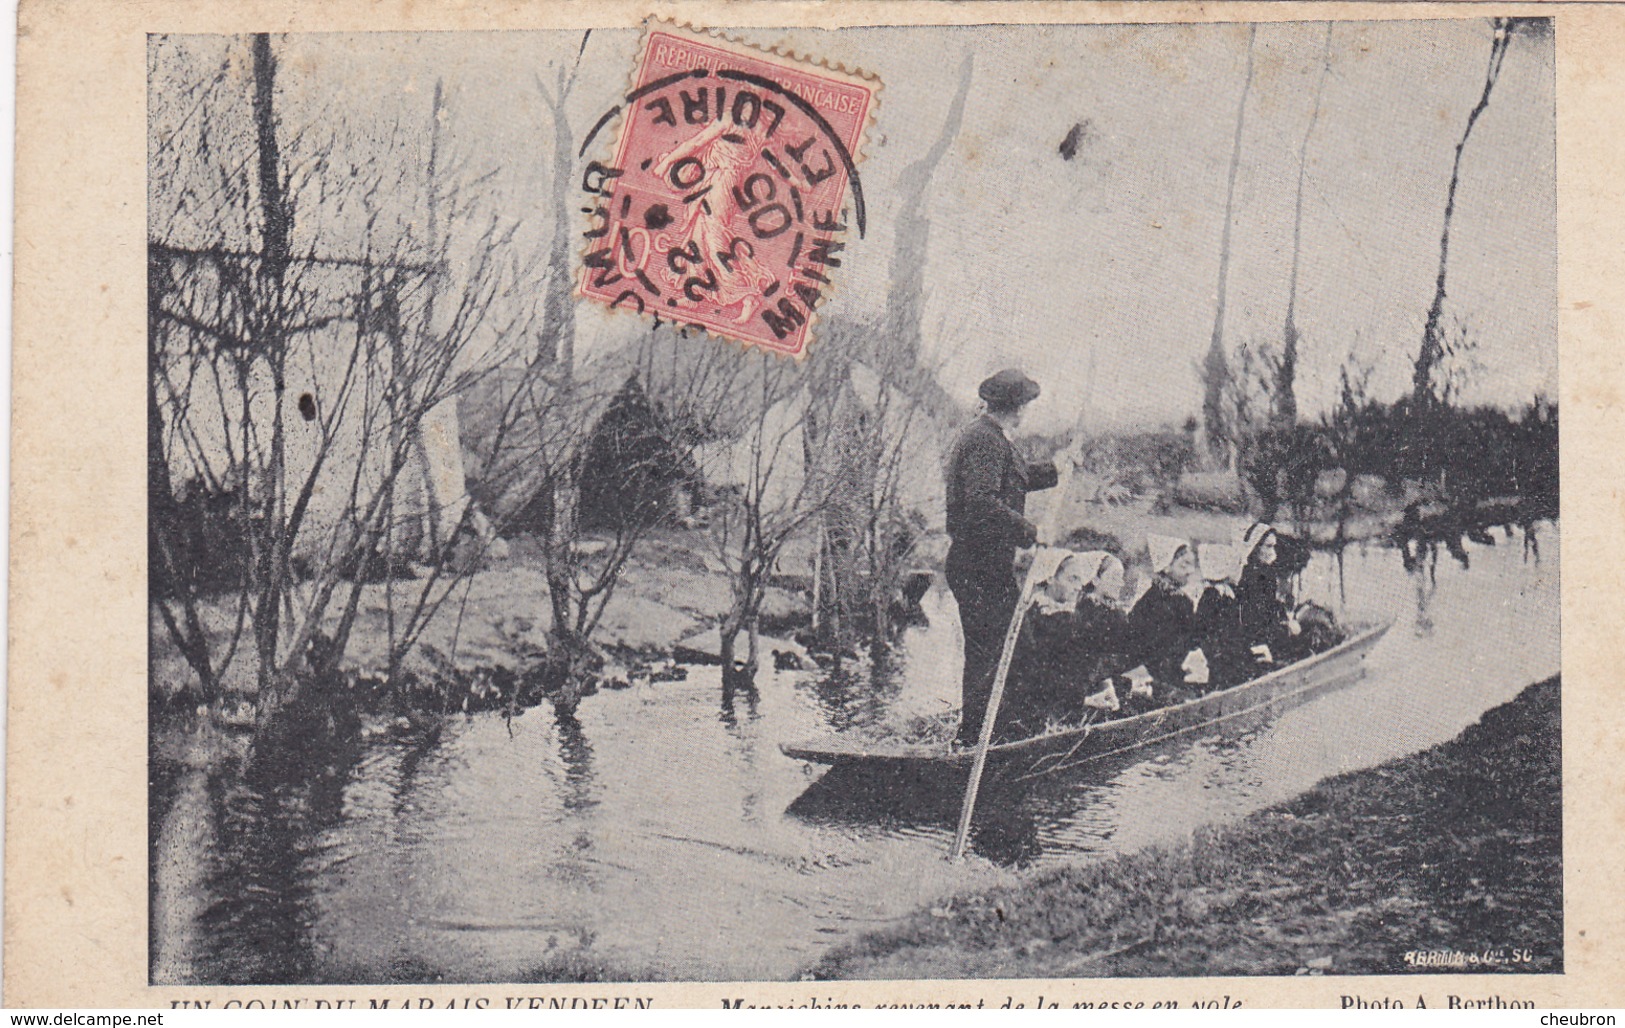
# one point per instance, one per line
(988, 483)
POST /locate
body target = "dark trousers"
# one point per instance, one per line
(984, 585)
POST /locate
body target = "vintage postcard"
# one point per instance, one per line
(739, 505)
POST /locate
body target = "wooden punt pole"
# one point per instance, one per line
(1051, 520)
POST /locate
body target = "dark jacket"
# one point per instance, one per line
(1261, 612)
(1061, 658)
(1164, 627)
(1074, 650)
(987, 491)
(1264, 615)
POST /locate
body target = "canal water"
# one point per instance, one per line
(659, 834)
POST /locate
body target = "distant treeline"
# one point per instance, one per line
(1457, 457)
(1436, 453)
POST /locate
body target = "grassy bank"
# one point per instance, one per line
(1457, 849)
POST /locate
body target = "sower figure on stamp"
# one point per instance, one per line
(988, 484)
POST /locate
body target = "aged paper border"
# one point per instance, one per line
(76, 857)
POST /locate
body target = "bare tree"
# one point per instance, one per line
(693, 387)
(569, 650)
(778, 480)
(864, 423)
(527, 430)
(1423, 387)
(382, 338)
(558, 302)
(891, 528)
(1215, 367)
(836, 431)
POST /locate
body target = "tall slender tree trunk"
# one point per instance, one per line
(744, 619)
(882, 575)
(1286, 398)
(439, 513)
(1216, 367)
(566, 651)
(275, 688)
(1432, 352)
(558, 302)
(413, 488)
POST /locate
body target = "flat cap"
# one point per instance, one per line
(1009, 388)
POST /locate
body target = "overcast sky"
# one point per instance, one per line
(1098, 275)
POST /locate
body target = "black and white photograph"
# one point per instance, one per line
(920, 502)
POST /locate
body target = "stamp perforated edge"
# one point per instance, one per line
(614, 127)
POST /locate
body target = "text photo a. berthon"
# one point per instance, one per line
(905, 502)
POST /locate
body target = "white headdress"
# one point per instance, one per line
(1093, 563)
(1247, 542)
(1047, 561)
(1163, 550)
(1102, 562)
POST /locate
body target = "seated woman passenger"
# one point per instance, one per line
(1074, 635)
(1264, 623)
(1103, 623)
(1269, 621)
(1172, 622)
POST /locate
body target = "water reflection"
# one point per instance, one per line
(730, 704)
(235, 858)
(654, 834)
(851, 694)
(1420, 539)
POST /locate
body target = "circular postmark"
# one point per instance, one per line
(733, 191)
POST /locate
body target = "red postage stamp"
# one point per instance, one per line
(733, 190)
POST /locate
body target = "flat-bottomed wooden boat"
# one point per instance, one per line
(1282, 689)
